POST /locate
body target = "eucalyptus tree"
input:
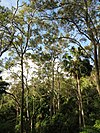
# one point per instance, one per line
(79, 22)
(7, 109)
(78, 66)
(49, 59)
(48, 53)
(84, 17)
(19, 48)
(7, 32)
(28, 38)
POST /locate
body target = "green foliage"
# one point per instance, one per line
(6, 29)
(41, 32)
(90, 130)
(3, 86)
(76, 64)
(7, 118)
(97, 124)
(91, 102)
(58, 123)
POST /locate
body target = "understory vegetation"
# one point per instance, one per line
(50, 67)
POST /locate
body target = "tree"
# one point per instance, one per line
(7, 31)
(81, 20)
(24, 43)
(7, 111)
(47, 36)
(78, 67)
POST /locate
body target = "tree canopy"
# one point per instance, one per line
(50, 72)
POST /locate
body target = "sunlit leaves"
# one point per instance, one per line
(76, 64)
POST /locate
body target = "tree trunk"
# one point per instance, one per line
(52, 91)
(96, 46)
(97, 66)
(33, 117)
(81, 112)
(22, 102)
(27, 114)
(58, 94)
(58, 104)
(99, 57)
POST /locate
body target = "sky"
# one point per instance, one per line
(8, 3)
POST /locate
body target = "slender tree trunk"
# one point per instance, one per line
(58, 94)
(99, 56)
(22, 102)
(27, 97)
(97, 66)
(52, 91)
(58, 104)
(33, 117)
(27, 113)
(27, 109)
(81, 112)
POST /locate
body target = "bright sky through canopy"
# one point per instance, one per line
(8, 3)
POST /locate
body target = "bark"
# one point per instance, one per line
(22, 102)
(33, 118)
(81, 112)
(99, 56)
(96, 62)
(52, 91)
(58, 104)
(58, 94)
(27, 113)
(27, 107)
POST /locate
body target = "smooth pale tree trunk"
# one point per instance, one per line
(33, 117)
(99, 56)
(27, 113)
(97, 66)
(58, 94)
(52, 92)
(81, 112)
(22, 102)
(58, 98)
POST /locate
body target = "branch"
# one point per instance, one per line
(80, 30)
(13, 97)
(77, 42)
(89, 23)
(15, 11)
(27, 39)
(7, 47)
(16, 49)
